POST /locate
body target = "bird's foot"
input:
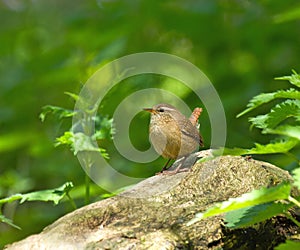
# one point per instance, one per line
(173, 172)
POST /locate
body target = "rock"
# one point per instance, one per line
(153, 214)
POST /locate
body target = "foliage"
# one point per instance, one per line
(242, 204)
(54, 195)
(288, 245)
(282, 120)
(79, 141)
(51, 47)
(58, 111)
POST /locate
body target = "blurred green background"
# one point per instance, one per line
(50, 47)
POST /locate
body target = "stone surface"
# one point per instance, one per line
(154, 213)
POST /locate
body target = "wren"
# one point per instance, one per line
(172, 134)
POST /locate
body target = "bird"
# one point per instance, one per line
(172, 134)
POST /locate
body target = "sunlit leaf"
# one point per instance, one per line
(263, 98)
(274, 148)
(54, 195)
(294, 78)
(286, 130)
(66, 139)
(56, 111)
(256, 197)
(289, 245)
(281, 146)
(80, 142)
(279, 113)
(250, 215)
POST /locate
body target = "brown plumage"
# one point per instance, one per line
(171, 133)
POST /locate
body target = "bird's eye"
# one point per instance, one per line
(161, 110)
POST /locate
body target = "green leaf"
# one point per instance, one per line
(286, 130)
(263, 98)
(11, 198)
(8, 221)
(296, 175)
(294, 78)
(256, 197)
(80, 142)
(289, 245)
(57, 111)
(282, 111)
(103, 126)
(72, 95)
(65, 139)
(54, 195)
(250, 215)
(276, 147)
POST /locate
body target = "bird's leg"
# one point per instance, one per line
(165, 167)
(178, 169)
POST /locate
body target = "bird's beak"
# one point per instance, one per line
(151, 110)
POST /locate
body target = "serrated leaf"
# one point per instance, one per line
(293, 79)
(282, 111)
(263, 98)
(66, 139)
(57, 111)
(282, 146)
(258, 100)
(273, 148)
(54, 195)
(289, 245)
(80, 142)
(250, 215)
(256, 197)
(286, 130)
(8, 221)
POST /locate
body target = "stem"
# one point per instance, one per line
(293, 200)
(71, 201)
(292, 219)
(87, 189)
